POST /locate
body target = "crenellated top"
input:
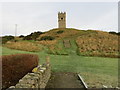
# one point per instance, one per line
(61, 12)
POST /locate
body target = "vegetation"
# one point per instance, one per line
(82, 43)
(98, 44)
(28, 37)
(102, 68)
(24, 45)
(14, 67)
(112, 32)
(56, 50)
(21, 36)
(7, 38)
(33, 36)
(66, 33)
(47, 38)
(47, 42)
(59, 32)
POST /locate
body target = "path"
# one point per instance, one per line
(66, 43)
(64, 80)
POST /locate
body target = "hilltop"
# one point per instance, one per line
(88, 42)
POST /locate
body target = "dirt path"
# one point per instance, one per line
(64, 80)
(67, 43)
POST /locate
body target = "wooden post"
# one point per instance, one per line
(47, 60)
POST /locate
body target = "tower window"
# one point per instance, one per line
(61, 18)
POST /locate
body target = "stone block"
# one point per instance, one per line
(23, 86)
(43, 85)
(26, 76)
(12, 87)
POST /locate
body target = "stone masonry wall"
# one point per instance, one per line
(37, 79)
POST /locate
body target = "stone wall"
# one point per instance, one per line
(37, 79)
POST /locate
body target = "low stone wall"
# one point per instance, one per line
(37, 79)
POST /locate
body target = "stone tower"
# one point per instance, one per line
(61, 19)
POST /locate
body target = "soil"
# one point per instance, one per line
(64, 80)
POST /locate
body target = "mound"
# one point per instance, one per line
(89, 42)
(63, 33)
(14, 67)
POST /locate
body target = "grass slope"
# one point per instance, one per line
(103, 70)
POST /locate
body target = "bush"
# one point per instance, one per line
(14, 67)
(4, 40)
(28, 37)
(47, 38)
(59, 32)
(33, 36)
(113, 33)
(7, 38)
(21, 36)
(118, 33)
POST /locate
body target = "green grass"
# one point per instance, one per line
(104, 67)
(96, 71)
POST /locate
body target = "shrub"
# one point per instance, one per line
(7, 38)
(21, 36)
(115, 33)
(60, 31)
(112, 32)
(33, 36)
(14, 67)
(4, 40)
(28, 37)
(47, 38)
(118, 33)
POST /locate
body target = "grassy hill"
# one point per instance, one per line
(86, 42)
(70, 51)
(68, 40)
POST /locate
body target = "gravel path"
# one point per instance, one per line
(64, 80)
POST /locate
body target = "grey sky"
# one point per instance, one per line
(42, 16)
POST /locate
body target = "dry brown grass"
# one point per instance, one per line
(66, 33)
(99, 44)
(47, 43)
(24, 45)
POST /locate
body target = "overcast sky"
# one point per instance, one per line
(42, 16)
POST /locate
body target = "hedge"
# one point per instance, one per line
(14, 67)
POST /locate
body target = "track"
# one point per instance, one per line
(67, 43)
(64, 80)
